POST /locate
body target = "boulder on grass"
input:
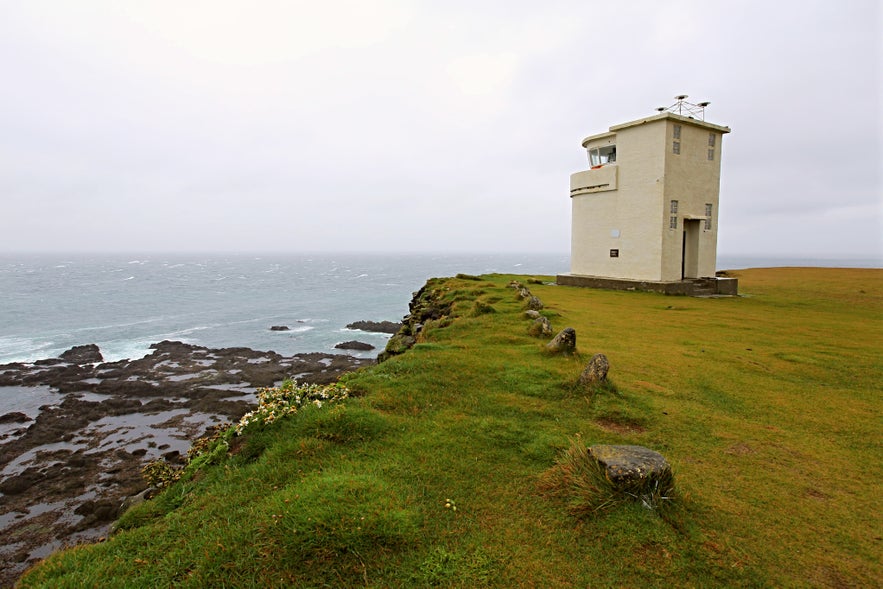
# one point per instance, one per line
(595, 371)
(534, 303)
(563, 343)
(540, 328)
(625, 465)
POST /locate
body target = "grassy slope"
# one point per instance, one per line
(767, 406)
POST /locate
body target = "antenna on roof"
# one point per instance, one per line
(684, 108)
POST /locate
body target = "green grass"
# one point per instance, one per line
(768, 408)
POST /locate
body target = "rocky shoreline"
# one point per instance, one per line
(82, 429)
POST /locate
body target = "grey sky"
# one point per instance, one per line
(421, 126)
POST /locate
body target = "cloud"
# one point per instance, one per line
(412, 126)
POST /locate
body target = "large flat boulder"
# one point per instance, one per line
(627, 464)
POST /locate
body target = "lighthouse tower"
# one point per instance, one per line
(645, 213)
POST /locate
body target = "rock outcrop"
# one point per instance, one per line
(376, 326)
(88, 354)
(426, 305)
(103, 422)
(354, 345)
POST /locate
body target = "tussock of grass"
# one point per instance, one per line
(582, 483)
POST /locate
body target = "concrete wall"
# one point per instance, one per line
(624, 219)
(694, 181)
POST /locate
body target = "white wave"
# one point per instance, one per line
(129, 278)
(298, 329)
(116, 325)
(188, 331)
(22, 349)
(114, 351)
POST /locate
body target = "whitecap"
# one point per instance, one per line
(129, 278)
(298, 329)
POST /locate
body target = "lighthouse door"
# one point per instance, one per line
(690, 249)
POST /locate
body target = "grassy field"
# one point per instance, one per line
(768, 407)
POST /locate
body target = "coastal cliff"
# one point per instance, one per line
(434, 470)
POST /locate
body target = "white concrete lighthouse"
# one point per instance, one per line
(645, 213)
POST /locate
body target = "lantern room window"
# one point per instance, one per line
(599, 156)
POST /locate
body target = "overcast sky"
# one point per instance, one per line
(421, 126)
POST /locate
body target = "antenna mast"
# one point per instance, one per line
(686, 109)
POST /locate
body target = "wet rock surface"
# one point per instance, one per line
(375, 326)
(354, 345)
(82, 429)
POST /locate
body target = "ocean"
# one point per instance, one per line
(124, 303)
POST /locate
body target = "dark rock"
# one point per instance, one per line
(85, 508)
(88, 354)
(563, 343)
(626, 464)
(595, 371)
(354, 345)
(14, 417)
(280, 328)
(540, 328)
(106, 510)
(376, 326)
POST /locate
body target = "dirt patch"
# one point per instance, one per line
(620, 427)
(740, 449)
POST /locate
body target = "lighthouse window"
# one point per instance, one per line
(676, 147)
(676, 132)
(711, 140)
(599, 156)
(711, 155)
(707, 217)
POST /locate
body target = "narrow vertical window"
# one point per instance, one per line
(673, 208)
(707, 217)
(711, 155)
(711, 139)
(673, 219)
(676, 132)
(676, 147)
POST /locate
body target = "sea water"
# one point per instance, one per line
(49, 303)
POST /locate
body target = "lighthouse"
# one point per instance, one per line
(645, 213)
